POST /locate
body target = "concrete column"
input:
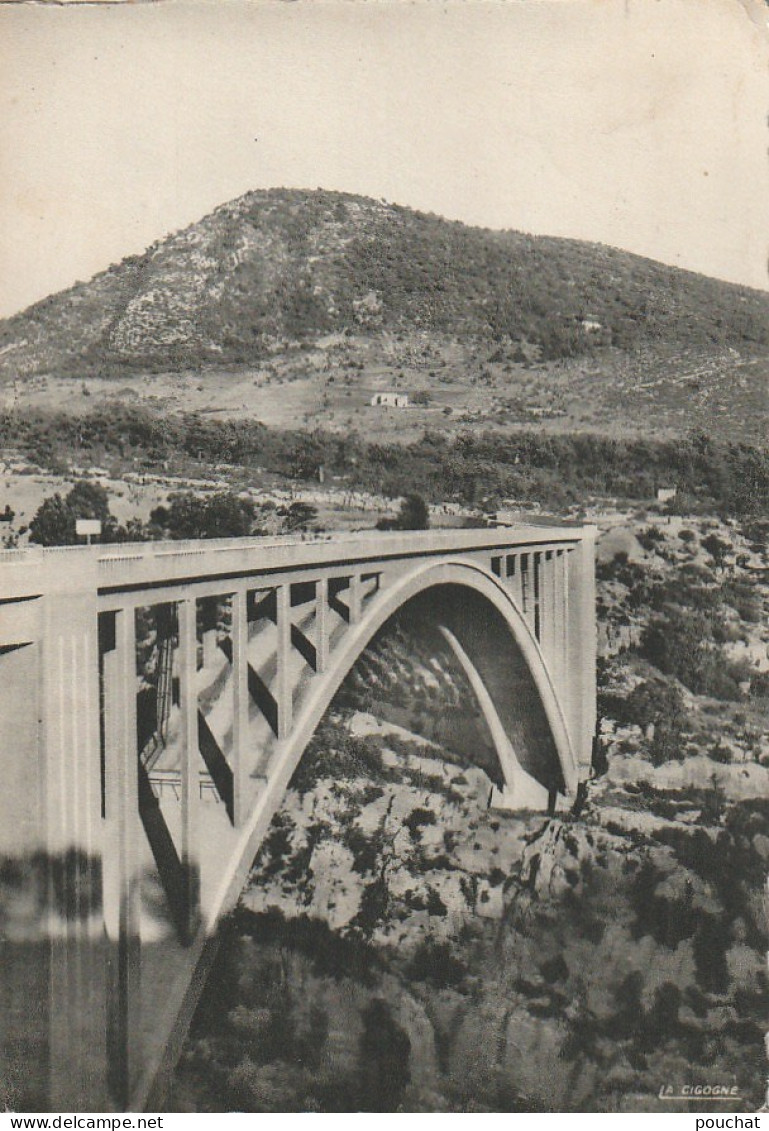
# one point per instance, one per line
(73, 843)
(525, 566)
(321, 624)
(580, 685)
(284, 689)
(536, 594)
(122, 862)
(559, 617)
(210, 651)
(544, 604)
(190, 760)
(548, 612)
(355, 598)
(24, 963)
(240, 724)
(515, 582)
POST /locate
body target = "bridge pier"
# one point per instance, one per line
(581, 648)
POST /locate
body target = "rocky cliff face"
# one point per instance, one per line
(402, 947)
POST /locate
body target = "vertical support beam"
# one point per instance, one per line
(321, 624)
(355, 598)
(536, 620)
(559, 624)
(548, 613)
(510, 570)
(525, 571)
(580, 686)
(284, 690)
(122, 871)
(564, 687)
(209, 632)
(240, 724)
(190, 761)
(73, 840)
(516, 581)
(542, 602)
(241, 699)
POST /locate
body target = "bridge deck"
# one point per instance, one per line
(119, 567)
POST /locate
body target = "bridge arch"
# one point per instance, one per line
(538, 726)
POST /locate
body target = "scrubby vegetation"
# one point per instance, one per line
(472, 468)
(288, 265)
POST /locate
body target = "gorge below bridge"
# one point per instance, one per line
(155, 700)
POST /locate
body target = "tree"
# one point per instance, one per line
(413, 515)
(89, 500)
(658, 707)
(681, 644)
(678, 644)
(54, 521)
(307, 457)
(223, 515)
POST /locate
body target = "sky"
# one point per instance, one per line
(636, 123)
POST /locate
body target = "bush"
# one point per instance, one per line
(682, 644)
(719, 752)
(717, 548)
(650, 537)
(299, 516)
(435, 963)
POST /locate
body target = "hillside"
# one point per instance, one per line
(279, 268)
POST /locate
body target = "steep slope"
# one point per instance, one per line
(282, 266)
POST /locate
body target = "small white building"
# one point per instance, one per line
(391, 400)
(665, 494)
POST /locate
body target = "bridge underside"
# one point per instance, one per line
(508, 695)
(169, 722)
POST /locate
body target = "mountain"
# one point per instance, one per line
(280, 267)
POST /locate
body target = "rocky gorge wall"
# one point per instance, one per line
(402, 947)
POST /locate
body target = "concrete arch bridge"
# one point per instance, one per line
(155, 700)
